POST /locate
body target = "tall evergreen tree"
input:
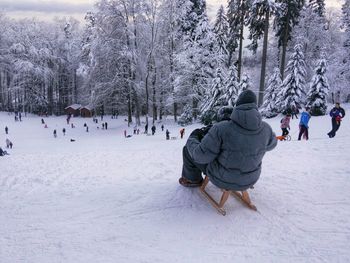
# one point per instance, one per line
(269, 108)
(191, 12)
(213, 100)
(237, 13)
(259, 16)
(231, 87)
(319, 88)
(245, 84)
(318, 6)
(197, 62)
(346, 26)
(293, 86)
(285, 20)
(221, 29)
(312, 34)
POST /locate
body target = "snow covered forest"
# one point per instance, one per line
(156, 58)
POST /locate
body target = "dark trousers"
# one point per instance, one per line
(335, 127)
(190, 169)
(294, 114)
(303, 129)
(285, 131)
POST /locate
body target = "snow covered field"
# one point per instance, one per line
(106, 198)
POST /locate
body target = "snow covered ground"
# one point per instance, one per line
(106, 198)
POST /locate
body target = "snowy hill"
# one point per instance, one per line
(106, 198)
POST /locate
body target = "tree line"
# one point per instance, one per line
(157, 58)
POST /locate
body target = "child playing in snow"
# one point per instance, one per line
(285, 125)
(9, 144)
(304, 124)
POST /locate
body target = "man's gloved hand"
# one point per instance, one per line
(206, 129)
(198, 133)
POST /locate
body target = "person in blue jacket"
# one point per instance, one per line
(304, 124)
(337, 114)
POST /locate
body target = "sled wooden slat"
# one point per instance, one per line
(245, 199)
(242, 196)
(216, 205)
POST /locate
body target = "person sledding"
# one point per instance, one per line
(230, 152)
(285, 126)
(337, 114)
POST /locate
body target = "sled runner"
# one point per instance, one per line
(242, 196)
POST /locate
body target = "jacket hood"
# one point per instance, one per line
(247, 116)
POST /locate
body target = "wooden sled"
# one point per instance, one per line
(242, 196)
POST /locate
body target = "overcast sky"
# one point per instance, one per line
(46, 9)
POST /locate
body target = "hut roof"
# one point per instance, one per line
(74, 106)
(86, 107)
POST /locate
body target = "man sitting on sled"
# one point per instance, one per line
(231, 151)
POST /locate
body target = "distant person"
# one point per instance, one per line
(87, 128)
(146, 128)
(68, 118)
(285, 125)
(20, 116)
(182, 132)
(2, 152)
(135, 130)
(106, 125)
(103, 126)
(16, 118)
(9, 144)
(304, 124)
(337, 114)
(153, 129)
(162, 127)
(125, 133)
(42, 121)
(294, 112)
(6, 130)
(72, 125)
(64, 131)
(167, 134)
(55, 133)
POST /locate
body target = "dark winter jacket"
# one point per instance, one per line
(234, 149)
(337, 112)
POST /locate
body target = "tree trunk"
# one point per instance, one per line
(154, 102)
(264, 58)
(240, 54)
(146, 88)
(194, 108)
(137, 108)
(284, 44)
(161, 106)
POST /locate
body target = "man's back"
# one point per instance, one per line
(234, 149)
